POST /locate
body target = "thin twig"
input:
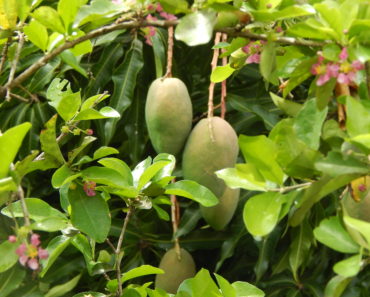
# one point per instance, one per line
(342, 89)
(169, 52)
(16, 96)
(137, 24)
(111, 245)
(118, 249)
(33, 97)
(4, 54)
(14, 64)
(204, 114)
(26, 214)
(290, 188)
(223, 83)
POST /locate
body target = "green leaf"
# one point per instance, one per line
(289, 107)
(331, 233)
(93, 294)
(49, 143)
(220, 73)
(37, 34)
(358, 117)
(81, 243)
(329, 11)
(50, 18)
(7, 184)
(92, 114)
(292, 11)
(93, 101)
(203, 285)
(55, 247)
(196, 28)
(61, 290)
(245, 176)
(120, 166)
(150, 172)
(308, 124)
(60, 175)
(324, 93)
(89, 214)
(261, 152)
(70, 59)
(38, 210)
(349, 267)
(362, 140)
(336, 286)
(134, 273)
(360, 226)
(11, 280)
(335, 164)
(50, 224)
(226, 288)
(68, 9)
(175, 6)
(10, 142)
(104, 151)
(68, 105)
(300, 248)
(193, 191)
(246, 289)
(261, 213)
(75, 152)
(268, 62)
(24, 7)
(106, 176)
(8, 256)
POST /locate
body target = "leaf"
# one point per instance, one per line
(11, 280)
(299, 248)
(193, 191)
(331, 233)
(106, 176)
(37, 34)
(68, 105)
(203, 285)
(150, 172)
(308, 124)
(55, 247)
(70, 59)
(358, 117)
(288, 12)
(61, 290)
(245, 176)
(38, 210)
(175, 7)
(49, 143)
(8, 14)
(92, 294)
(220, 73)
(10, 142)
(124, 79)
(349, 267)
(75, 152)
(104, 151)
(246, 289)
(50, 224)
(90, 214)
(118, 165)
(336, 286)
(8, 256)
(93, 101)
(335, 164)
(291, 108)
(226, 288)
(134, 273)
(92, 114)
(7, 184)
(50, 18)
(261, 213)
(68, 9)
(360, 226)
(324, 93)
(196, 28)
(60, 175)
(261, 152)
(268, 62)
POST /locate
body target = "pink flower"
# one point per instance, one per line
(278, 29)
(255, 58)
(21, 250)
(23, 260)
(357, 65)
(343, 79)
(116, 1)
(43, 254)
(332, 69)
(343, 54)
(12, 238)
(168, 16)
(323, 79)
(159, 7)
(246, 48)
(35, 239)
(89, 188)
(33, 264)
(89, 131)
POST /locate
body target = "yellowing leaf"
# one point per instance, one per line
(359, 188)
(8, 14)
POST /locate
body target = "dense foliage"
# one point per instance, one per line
(90, 203)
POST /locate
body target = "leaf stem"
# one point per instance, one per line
(290, 188)
(118, 249)
(223, 83)
(26, 214)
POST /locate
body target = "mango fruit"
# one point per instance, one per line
(212, 145)
(176, 271)
(220, 215)
(168, 115)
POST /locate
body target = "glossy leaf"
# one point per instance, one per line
(118, 165)
(93, 114)
(50, 18)
(226, 288)
(220, 73)
(10, 143)
(193, 191)
(349, 267)
(49, 143)
(37, 34)
(261, 213)
(247, 289)
(61, 290)
(331, 233)
(90, 214)
(11, 280)
(196, 28)
(358, 117)
(268, 62)
(107, 176)
(289, 107)
(336, 286)
(9, 257)
(68, 9)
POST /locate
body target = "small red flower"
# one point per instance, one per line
(89, 188)
(30, 253)
(12, 238)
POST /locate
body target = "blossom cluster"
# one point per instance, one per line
(343, 71)
(253, 49)
(151, 30)
(89, 188)
(30, 252)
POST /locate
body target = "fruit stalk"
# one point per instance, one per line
(223, 84)
(169, 52)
